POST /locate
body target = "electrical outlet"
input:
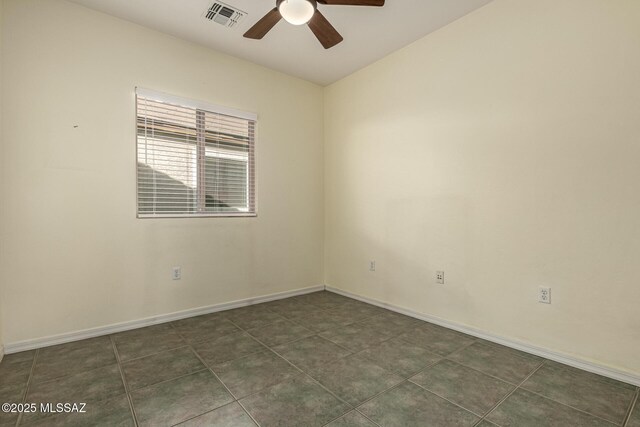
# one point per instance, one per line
(440, 277)
(176, 273)
(372, 266)
(544, 295)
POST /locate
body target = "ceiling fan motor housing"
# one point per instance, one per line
(298, 13)
(314, 3)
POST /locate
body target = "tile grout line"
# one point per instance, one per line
(303, 373)
(345, 414)
(204, 413)
(544, 362)
(634, 404)
(572, 407)
(511, 393)
(353, 353)
(609, 381)
(247, 412)
(447, 399)
(376, 344)
(426, 368)
(171, 379)
(404, 378)
(482, 372)
(367, 417)
(235, 400)
(188, 344)
(206, 368)
(400, 374)
(153, 354)
(124, 381)
(378, 394)
(29, 381)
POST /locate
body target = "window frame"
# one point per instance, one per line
(201, 107)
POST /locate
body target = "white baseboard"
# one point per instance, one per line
(589, 366)
(1, 352)
(149, 321)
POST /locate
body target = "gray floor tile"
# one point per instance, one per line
(634, 419)
(355, 337)
(252, 373)
(410, 405)
(324, 300)
(496, 361)
(226, 348)
(252, 316)
(115, 412)
(90, 387)
(290, 308)
(352, 419)
(15, 369)
(21, 356)
(437, 339)
(395, 322)
(463, 386)
(170, 384)
(146, 341)
(595, 377)
(231, 415)
(204, 328)
(311, 352)
(525, 409)
(509, 350)
(320, 321)
(354, 378)
(279, 332)
(159, 367)
(14, 372)
(401, 357)
(13, 394)
(345, 316)
(298, 402)
(178, 400)
(355, 311)
(64, 359)
(582, 390)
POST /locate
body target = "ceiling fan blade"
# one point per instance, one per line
(353, 2)
(262, 27)
(324, 31)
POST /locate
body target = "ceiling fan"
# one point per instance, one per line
(299, 12)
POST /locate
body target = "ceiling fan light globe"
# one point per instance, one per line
(296, 12)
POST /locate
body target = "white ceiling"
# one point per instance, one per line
(370, 33)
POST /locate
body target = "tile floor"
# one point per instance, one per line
(313, 360)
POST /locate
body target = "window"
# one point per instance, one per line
(194, 159)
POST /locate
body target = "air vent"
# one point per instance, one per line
(224, 14)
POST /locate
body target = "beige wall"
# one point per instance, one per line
(503, 149)
(73, 254)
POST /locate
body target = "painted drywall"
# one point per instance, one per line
(74, 256)
(504, 150)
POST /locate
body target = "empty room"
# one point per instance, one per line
(320, 213)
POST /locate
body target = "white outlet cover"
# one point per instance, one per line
(544, 295)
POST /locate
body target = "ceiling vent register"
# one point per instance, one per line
(224, 14)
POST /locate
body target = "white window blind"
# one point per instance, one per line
(194, 159)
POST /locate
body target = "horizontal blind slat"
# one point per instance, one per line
(171, 179)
